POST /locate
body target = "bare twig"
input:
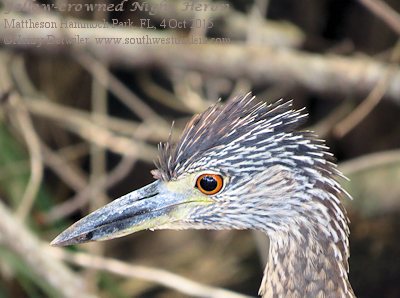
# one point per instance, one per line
(20, 116)
(36, 164)
(374, 182)
(104, 77)
(77, 118)
(369, 161)
(91, 132)
(74, 151)
(98, 158)
(161, 95)
(18, 239)
(234, 24)
(255, 21)
(365, 107)
(71, 176)
(372, 100)
(188, 89)
(103, 182)
(98, 162)
(383, 11)
(81, 198)
(158, 276)
(325, 126)
(319, 73)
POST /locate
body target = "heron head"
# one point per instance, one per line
(237, 166)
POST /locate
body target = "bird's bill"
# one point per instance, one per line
(147, 208)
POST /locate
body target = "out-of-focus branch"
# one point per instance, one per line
(81, 198)
(234, 25)
(383, 11)
(373, 175)
(19, 240)
(71, 176)
(368, 161)
(139, 48)
(21, 118)
(27, 130)
(76, 118)
(108, 80)
(372, 100)
(91, 132)
(159, 276)
(98, 158)
(98, 155)
(103, 182)
(161, 95)
(80, 124)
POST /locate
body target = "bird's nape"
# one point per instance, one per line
(244, 165)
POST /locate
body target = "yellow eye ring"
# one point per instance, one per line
(209, 184)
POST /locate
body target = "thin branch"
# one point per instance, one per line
(255, 21)
(81, 198)
(16, 237)
(74, 151)
(325, 126)
(372, 100)
(77, 118)
(71, 176)
(20, 116)
(161, 95)
(369, 161)
(104, 182)
(36, 164)
(383, 11)
(109, 81)
(318, 73)
(364, 109)
(103, 80)
(234, 24)
(85, 128)
(98, 157)
(374, 182)
(155, 275)
(188, 88)
(93, 133)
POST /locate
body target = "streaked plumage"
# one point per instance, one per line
(276, 180)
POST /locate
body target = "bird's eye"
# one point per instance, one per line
(209, 184)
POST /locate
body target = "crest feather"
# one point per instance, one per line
(220, 125)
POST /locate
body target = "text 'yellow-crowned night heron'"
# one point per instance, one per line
(242, 165)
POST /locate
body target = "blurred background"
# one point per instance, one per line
(88, 89)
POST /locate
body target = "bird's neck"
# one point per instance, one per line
(306, 263)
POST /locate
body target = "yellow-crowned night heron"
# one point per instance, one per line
(243, 166)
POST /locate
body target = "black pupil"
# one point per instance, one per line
(208, 183)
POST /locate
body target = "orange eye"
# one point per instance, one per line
(209, 184)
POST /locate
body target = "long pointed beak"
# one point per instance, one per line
(146, 208)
